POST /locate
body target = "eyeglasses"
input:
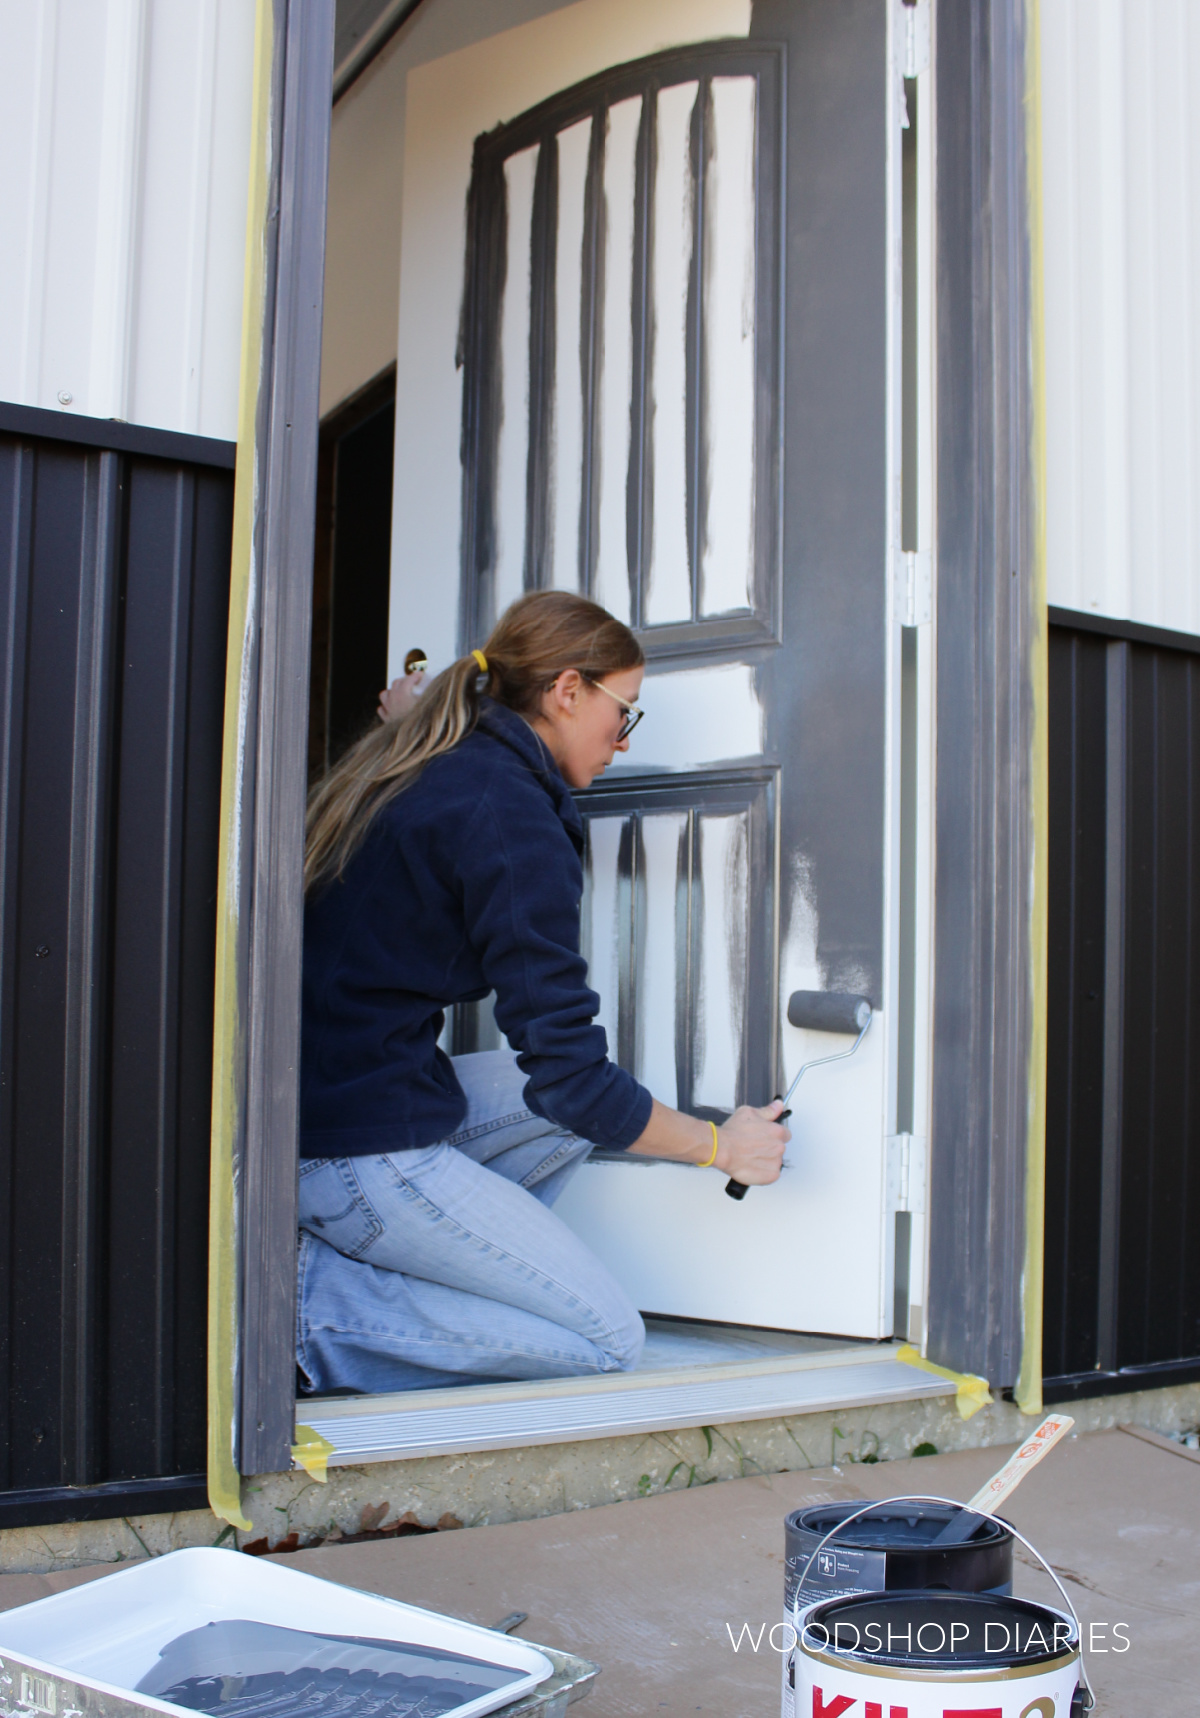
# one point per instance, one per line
(633, 714)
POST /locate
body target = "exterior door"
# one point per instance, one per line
(643, 354)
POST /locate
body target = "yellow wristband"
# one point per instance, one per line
(716, 1146)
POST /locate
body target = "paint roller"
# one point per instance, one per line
(819, 1011)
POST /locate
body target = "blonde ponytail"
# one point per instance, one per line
(535, 641)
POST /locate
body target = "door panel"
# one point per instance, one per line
(617, 240)
(678, 924)
(803, 1255)
(620, 348)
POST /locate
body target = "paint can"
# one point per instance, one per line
(888, 1547)
(933, 1653)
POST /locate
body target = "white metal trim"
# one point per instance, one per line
(894, 119)
(913, 576)
(118, 196)
(925, 50)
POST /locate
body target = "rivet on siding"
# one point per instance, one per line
(41, 951)
(65, 396)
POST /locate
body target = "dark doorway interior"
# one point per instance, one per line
(351, 570)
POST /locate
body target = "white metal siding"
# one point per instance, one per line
(125, 137)
(1121, 128)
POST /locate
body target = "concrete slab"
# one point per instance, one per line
(24, 1589)
(649, 1589)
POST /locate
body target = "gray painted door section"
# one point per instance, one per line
(644, 353)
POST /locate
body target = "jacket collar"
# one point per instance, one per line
(503, 724)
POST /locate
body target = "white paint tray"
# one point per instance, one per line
(107, 1636)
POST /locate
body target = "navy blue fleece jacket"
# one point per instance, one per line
(468, 882)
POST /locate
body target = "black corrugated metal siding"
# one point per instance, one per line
(114, 580)
(1075, 1039)
(1158, 1314)
(1123, 1096)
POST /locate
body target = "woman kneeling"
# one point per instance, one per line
(444, 864)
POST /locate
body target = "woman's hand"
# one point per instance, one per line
(750, 1145)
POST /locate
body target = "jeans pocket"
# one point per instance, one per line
(334, 1208)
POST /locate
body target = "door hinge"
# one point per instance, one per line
(906, 1171)
(916, 39)
(915, 588)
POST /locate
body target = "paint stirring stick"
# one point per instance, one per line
(1001, 1486)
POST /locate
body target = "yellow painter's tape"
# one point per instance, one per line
(311, 1452)
(1028, 1391)
(971, 1393)
(224, 1480)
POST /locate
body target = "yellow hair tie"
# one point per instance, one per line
(715, 1149)
(481, 659)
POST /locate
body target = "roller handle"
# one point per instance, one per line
(819, 1011)
(738, 1189)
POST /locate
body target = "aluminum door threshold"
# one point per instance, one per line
(504, 1416)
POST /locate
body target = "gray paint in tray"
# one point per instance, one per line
(243, 1669)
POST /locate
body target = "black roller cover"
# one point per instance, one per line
(828, 1010)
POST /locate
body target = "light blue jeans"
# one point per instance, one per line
(443, 1266)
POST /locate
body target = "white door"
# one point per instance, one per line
(594, 321)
